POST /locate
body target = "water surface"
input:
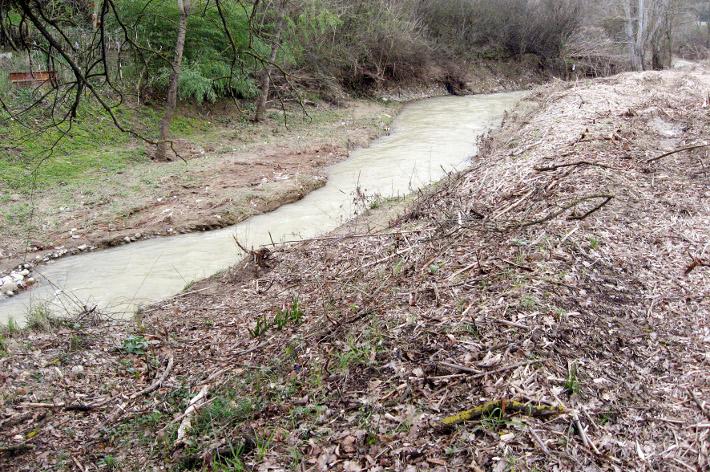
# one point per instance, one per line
(429, 137)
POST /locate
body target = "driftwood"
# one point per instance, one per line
(506, 408)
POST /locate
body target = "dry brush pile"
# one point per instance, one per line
(546, 310)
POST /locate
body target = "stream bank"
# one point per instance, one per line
(564, 268)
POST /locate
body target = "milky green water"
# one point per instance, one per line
(428, 138)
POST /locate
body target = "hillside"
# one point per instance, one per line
(564, 276)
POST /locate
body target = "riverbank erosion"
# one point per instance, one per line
(547, 308)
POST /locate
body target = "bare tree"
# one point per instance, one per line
(649, 24)
(265, 85)
(161, 153)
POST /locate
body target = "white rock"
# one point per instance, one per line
(77, 370)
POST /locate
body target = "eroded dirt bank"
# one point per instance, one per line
(566, 270)
(232, 172)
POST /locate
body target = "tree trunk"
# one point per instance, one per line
(161, 153)
(631, 30)
(260, 113)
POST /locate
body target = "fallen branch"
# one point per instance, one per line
(571, 164)
(459, 368)
(67, 406)
(689, 148)
(192, 408)
(596, 208)
(15, 448)
(697, 262)
(583, 433)
(573, 204)
(506, 368)
(504, 408)
(155, 385)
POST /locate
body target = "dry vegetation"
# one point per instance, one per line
(564, 270)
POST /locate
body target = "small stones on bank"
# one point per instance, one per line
(16, 281)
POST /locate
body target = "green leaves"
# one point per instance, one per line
(135, 345)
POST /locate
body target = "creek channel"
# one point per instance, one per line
(428, 139)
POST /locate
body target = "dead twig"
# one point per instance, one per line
(697, 262)
(583, 433)
(689, 148)
(459, 368)
(700, 403)
(155, 385)
(539, 442)
(593, 210)
(506, 368)
(571, 164)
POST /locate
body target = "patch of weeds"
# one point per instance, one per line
(606, 418)
(135, 345)
(494, 420)
(572, 385)
(300, 414)
(511, 462)
(528, 303)
(229, 460)
(3, 346)
(228, 409)
(353, 355)
(594, 243)
(471, 329)
(11, 328)
(260, 328)
(263, 443)
(109, 462)
(189, 285)
(140, 428)
(77, 343)
(40, 318)
(398, 267)
(290, 314)
(296, 456)
(434, 268)
(558, 312)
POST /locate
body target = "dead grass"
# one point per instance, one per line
(500, 284)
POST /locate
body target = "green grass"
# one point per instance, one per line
(572, 384)
(39, 318)
(92, 147)
(3, 345)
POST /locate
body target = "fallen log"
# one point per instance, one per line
(506, 408)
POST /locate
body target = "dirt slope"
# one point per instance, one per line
(563, 270)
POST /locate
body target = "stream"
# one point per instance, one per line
(429, 138)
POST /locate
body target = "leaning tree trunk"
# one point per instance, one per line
(161, 153)
(260, 113)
